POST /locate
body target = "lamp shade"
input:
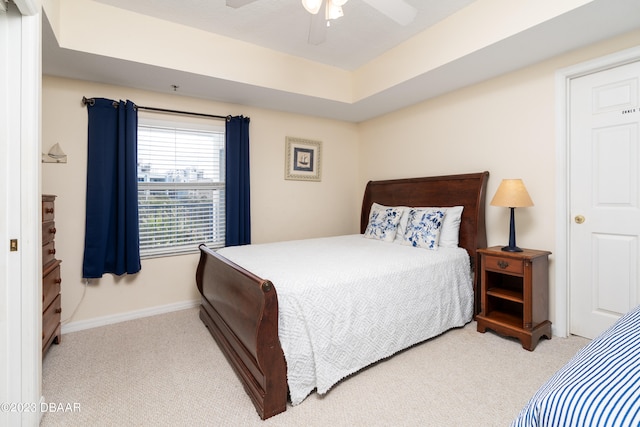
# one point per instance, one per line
(512, 194)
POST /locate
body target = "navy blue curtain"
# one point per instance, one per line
(111, 243)
(238, 212)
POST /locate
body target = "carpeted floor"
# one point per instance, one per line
(166, 370)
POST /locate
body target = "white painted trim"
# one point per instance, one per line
(131, 315)
(9, 325)
(561, 325)
(28, 7)
(30, 209)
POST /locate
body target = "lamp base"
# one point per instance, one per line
(512, 235)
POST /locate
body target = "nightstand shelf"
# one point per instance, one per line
(514, 294)
(506, 318)
(507, 294)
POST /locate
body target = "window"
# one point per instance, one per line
(181, 189)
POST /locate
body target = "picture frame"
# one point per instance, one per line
(302, 159)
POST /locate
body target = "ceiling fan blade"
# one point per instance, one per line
(238, 3)
(398, 10)
(318, 26)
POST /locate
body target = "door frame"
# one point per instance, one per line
(21, 310)
(564, 76)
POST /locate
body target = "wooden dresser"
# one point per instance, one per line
(51, 280)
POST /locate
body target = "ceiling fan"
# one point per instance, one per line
(398, 10)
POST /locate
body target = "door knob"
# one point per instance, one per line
(579, 219)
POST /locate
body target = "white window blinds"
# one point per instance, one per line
(181, 190)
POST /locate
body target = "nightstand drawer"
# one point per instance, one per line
(503, 264)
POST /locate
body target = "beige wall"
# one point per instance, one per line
(506, 126)
(281, 209)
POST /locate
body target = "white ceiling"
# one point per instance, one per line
(353, 40)
(360, 35)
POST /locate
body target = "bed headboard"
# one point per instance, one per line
(466, 190)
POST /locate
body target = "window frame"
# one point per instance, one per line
(187, 124)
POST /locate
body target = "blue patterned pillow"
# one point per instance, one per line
(423, 228)
(449, 232)
(383, 223)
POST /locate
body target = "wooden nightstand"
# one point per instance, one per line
(515, 294)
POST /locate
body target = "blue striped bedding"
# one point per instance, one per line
(599, 386)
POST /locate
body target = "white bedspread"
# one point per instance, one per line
(346, 302)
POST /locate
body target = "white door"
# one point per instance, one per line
(604, 197)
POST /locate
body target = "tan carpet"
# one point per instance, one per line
(166, 370)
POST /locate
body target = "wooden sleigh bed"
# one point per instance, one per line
(240, 309)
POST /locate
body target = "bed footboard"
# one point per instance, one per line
(241, 312)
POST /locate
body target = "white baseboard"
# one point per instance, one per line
(123, 317)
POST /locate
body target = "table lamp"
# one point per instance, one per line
(512, 194)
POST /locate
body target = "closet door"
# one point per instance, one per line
(604, 198)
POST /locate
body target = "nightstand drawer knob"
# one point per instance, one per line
(503, 264)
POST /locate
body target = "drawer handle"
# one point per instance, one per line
(48, 210)
(58, 281)
(503, 264)
(58, 310)
(52, 230)
(52, 251)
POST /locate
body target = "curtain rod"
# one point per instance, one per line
(91, 101)
(163, 110)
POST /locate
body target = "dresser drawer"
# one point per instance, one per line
(497, 263)
(51, 319)
(48, 231)
(48, 253)
(48, 211)
(51, 285)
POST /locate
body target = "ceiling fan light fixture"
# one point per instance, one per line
(312, 6)
(333, 11)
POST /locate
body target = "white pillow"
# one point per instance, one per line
(450, 232)
(423, 228)
(383, 223)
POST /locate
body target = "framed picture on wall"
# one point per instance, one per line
(302, 159)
